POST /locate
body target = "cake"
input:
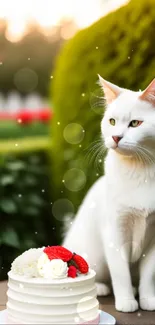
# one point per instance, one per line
(51, 285)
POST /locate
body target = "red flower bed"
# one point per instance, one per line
(25, 116)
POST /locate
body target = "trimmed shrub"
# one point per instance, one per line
(120, 48)
(25, 206)
(14, 130)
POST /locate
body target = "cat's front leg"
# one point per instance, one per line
(147, 274)
(117, 255)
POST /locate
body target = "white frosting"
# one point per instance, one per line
(54, 269)
(52, 301)
(26, 263)
(42, 260)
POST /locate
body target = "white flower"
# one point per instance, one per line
(26, 264)
(43, 259)
(54, 269)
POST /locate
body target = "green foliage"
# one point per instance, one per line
(26, 144)
(25, 206)
(12, 129)
(120, 48)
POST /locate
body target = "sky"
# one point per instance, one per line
(50, 12)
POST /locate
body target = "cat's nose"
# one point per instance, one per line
(117, 139)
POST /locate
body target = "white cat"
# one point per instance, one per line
(115, 225)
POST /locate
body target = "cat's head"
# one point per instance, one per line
(128, 125)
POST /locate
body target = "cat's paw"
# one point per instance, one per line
(147, 303)
(102, 289)
(126, 305)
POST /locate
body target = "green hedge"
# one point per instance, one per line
(25, 205)
(120, 47)
(25, 144)
(12, 129)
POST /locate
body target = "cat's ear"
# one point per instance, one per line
(111, 91)
(149, 93)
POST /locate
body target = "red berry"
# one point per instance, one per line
(80, 263)
(58, 252)
(72, 271)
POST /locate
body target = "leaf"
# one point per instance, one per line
(36, 200)
(34, 159)
(30, 180)
(16, 165)
(7, 180)
(8, 206)
(28, 243)
(10, 238)
(37, 170)
(31, 211)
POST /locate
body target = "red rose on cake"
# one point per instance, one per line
(58, 262)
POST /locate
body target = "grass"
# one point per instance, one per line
(14, 130)
(26, 144)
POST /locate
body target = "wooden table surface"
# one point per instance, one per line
(3, 289)
(107, 304)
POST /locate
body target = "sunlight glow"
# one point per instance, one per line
(49, 13)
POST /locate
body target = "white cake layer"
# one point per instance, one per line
(44, 301)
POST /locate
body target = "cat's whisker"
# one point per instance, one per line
(99, 141)
(140, 159)
(99, 159)
(146, 154)
(92, 147)
(93, 158)
(97, 145)
(97, 104)
(149, 154)
(144, 158)
(96, 150)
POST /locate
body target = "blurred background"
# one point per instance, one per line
(51, 106)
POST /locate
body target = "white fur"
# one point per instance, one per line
(115, 225)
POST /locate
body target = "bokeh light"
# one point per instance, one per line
(73, 133)
(74, 179)
(26, 80)
(62, 208)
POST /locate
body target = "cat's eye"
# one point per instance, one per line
(135, 123)
(112, 121)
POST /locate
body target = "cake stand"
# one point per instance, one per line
(105, 319)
